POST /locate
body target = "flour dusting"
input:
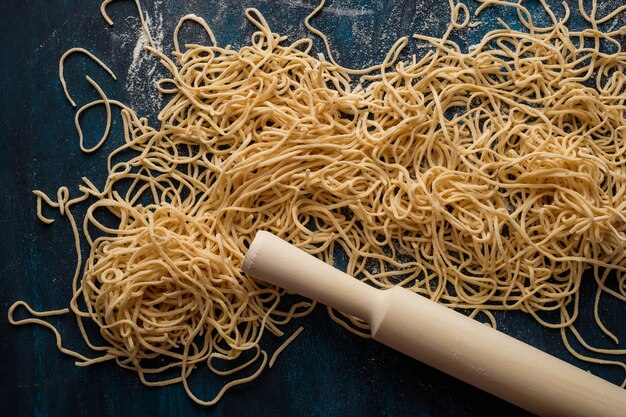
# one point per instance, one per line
(340, 11)
(143, 73)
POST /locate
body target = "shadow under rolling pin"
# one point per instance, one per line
(440, 337)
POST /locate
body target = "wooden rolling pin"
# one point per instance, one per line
(440, 337)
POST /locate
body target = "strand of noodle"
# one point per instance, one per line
(307, 23)
(284, 345)
(196, 19)
(57, 335)
(62, 69)
(107, 128)
(144, 25)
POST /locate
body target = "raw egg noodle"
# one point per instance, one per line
(484, 180)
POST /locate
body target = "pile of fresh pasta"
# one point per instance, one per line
(489, 179)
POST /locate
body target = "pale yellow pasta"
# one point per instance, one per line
(485, 180)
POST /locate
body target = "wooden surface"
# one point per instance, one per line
(326, 371)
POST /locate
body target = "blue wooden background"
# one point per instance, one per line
(326, 371)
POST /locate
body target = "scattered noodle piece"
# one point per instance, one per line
(284, 345)
(142, 20)
(62, 69)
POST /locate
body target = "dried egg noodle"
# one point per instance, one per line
(485, 180)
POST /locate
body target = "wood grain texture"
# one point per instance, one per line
(326, 371)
